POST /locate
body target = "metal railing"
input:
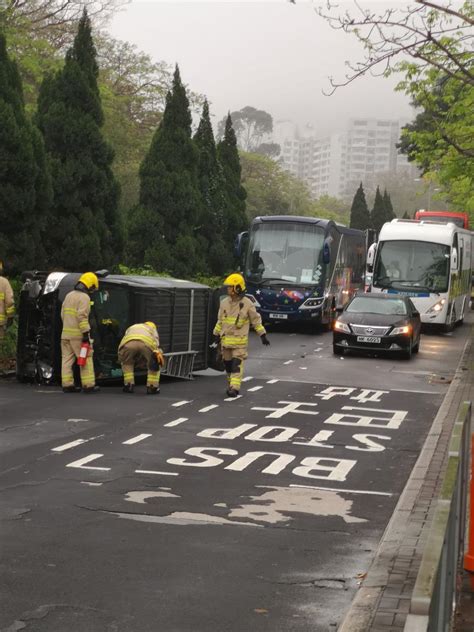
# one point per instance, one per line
(434, 596)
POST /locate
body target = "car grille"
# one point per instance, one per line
(369, 330)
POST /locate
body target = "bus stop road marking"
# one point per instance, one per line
(156, 472)
(81, 463)
(136, 439)
(343, 491)
(206, 409)
(182, 403)
(254, 388)
(176, 422)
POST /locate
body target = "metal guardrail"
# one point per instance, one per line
(434, 596)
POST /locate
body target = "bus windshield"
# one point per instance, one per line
(285, 251)
(417, 265)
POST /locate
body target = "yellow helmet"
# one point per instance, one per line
(90, 280)
(236, 281)
(150, 324)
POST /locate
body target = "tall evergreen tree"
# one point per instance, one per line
(212, 186)
(227, 151)
(87, 230)
(360, 216)
(163, 228)
(377, 215)
(405, 215)
(389, 214)
(25, 187)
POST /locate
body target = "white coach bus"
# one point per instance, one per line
(428, 261)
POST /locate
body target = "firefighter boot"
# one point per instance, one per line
(231, 392)
(128, 388)
(71, 389)
(152, 390)
(90, 390)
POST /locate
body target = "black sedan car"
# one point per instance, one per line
(378, 323)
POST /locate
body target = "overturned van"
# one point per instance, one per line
(183, 311)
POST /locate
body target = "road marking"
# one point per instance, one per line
(176, 422)
(91, 483)
(288, 362)
(76, 420)
(182, 403)
(255, 388)
(345, 491)
(80, 464)
(247, 379)
(156, 472)
(303, 368)
(232, 399)
(136, 439)
(68, 446)
(206, 409)
(272, 381)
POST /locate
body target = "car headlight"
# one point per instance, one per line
(311, 303)
(339, 326)
(401, 331)
(437, 307)
(253, 299)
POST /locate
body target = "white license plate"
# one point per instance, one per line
(282, 316)
(371, 339)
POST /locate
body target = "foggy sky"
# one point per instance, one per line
(272, 55)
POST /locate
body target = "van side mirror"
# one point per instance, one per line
(326, 253)
(454, 259)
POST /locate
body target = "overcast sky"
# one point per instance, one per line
(270, 54)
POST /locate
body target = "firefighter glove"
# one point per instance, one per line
(9, 322)
(154, 364)
(86, 337)
(264, 340)
(215, 341)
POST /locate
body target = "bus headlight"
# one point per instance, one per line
(311, 303)
(437, 307)
(253, 299)
(338, 326)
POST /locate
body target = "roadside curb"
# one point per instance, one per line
(364, 606)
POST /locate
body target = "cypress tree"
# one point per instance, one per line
(405, 215)
(213, 192)
(170, 200)
(389, 214)
(228, 154)
(87, 230)
(377, 215)
(25, 187)
(360, 216)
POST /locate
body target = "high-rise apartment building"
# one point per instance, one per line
(331, 165)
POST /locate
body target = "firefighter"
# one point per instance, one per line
(7, 305)
(236, 314)
(141, 341)
(76, 330)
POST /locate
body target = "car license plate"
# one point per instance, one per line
(372, 339)
(283, 316)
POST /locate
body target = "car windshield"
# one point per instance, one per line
(406, 264)
(371, 305)
(285, 251)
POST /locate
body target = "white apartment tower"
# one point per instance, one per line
(332, 164)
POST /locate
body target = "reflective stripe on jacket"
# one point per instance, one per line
(7, 306)
(142, 332)
(75, 315)
(234, 320)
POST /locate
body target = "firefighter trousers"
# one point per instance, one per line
(234, 365)
(70, 350)
(131, 353)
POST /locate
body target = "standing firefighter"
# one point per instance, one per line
(7, 306)
(236, 314)
(76, 332)
(141, 341)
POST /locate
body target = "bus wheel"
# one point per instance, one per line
(448, 328)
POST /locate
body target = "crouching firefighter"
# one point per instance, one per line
(76, 334)
(236, 314)
(141, 341)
